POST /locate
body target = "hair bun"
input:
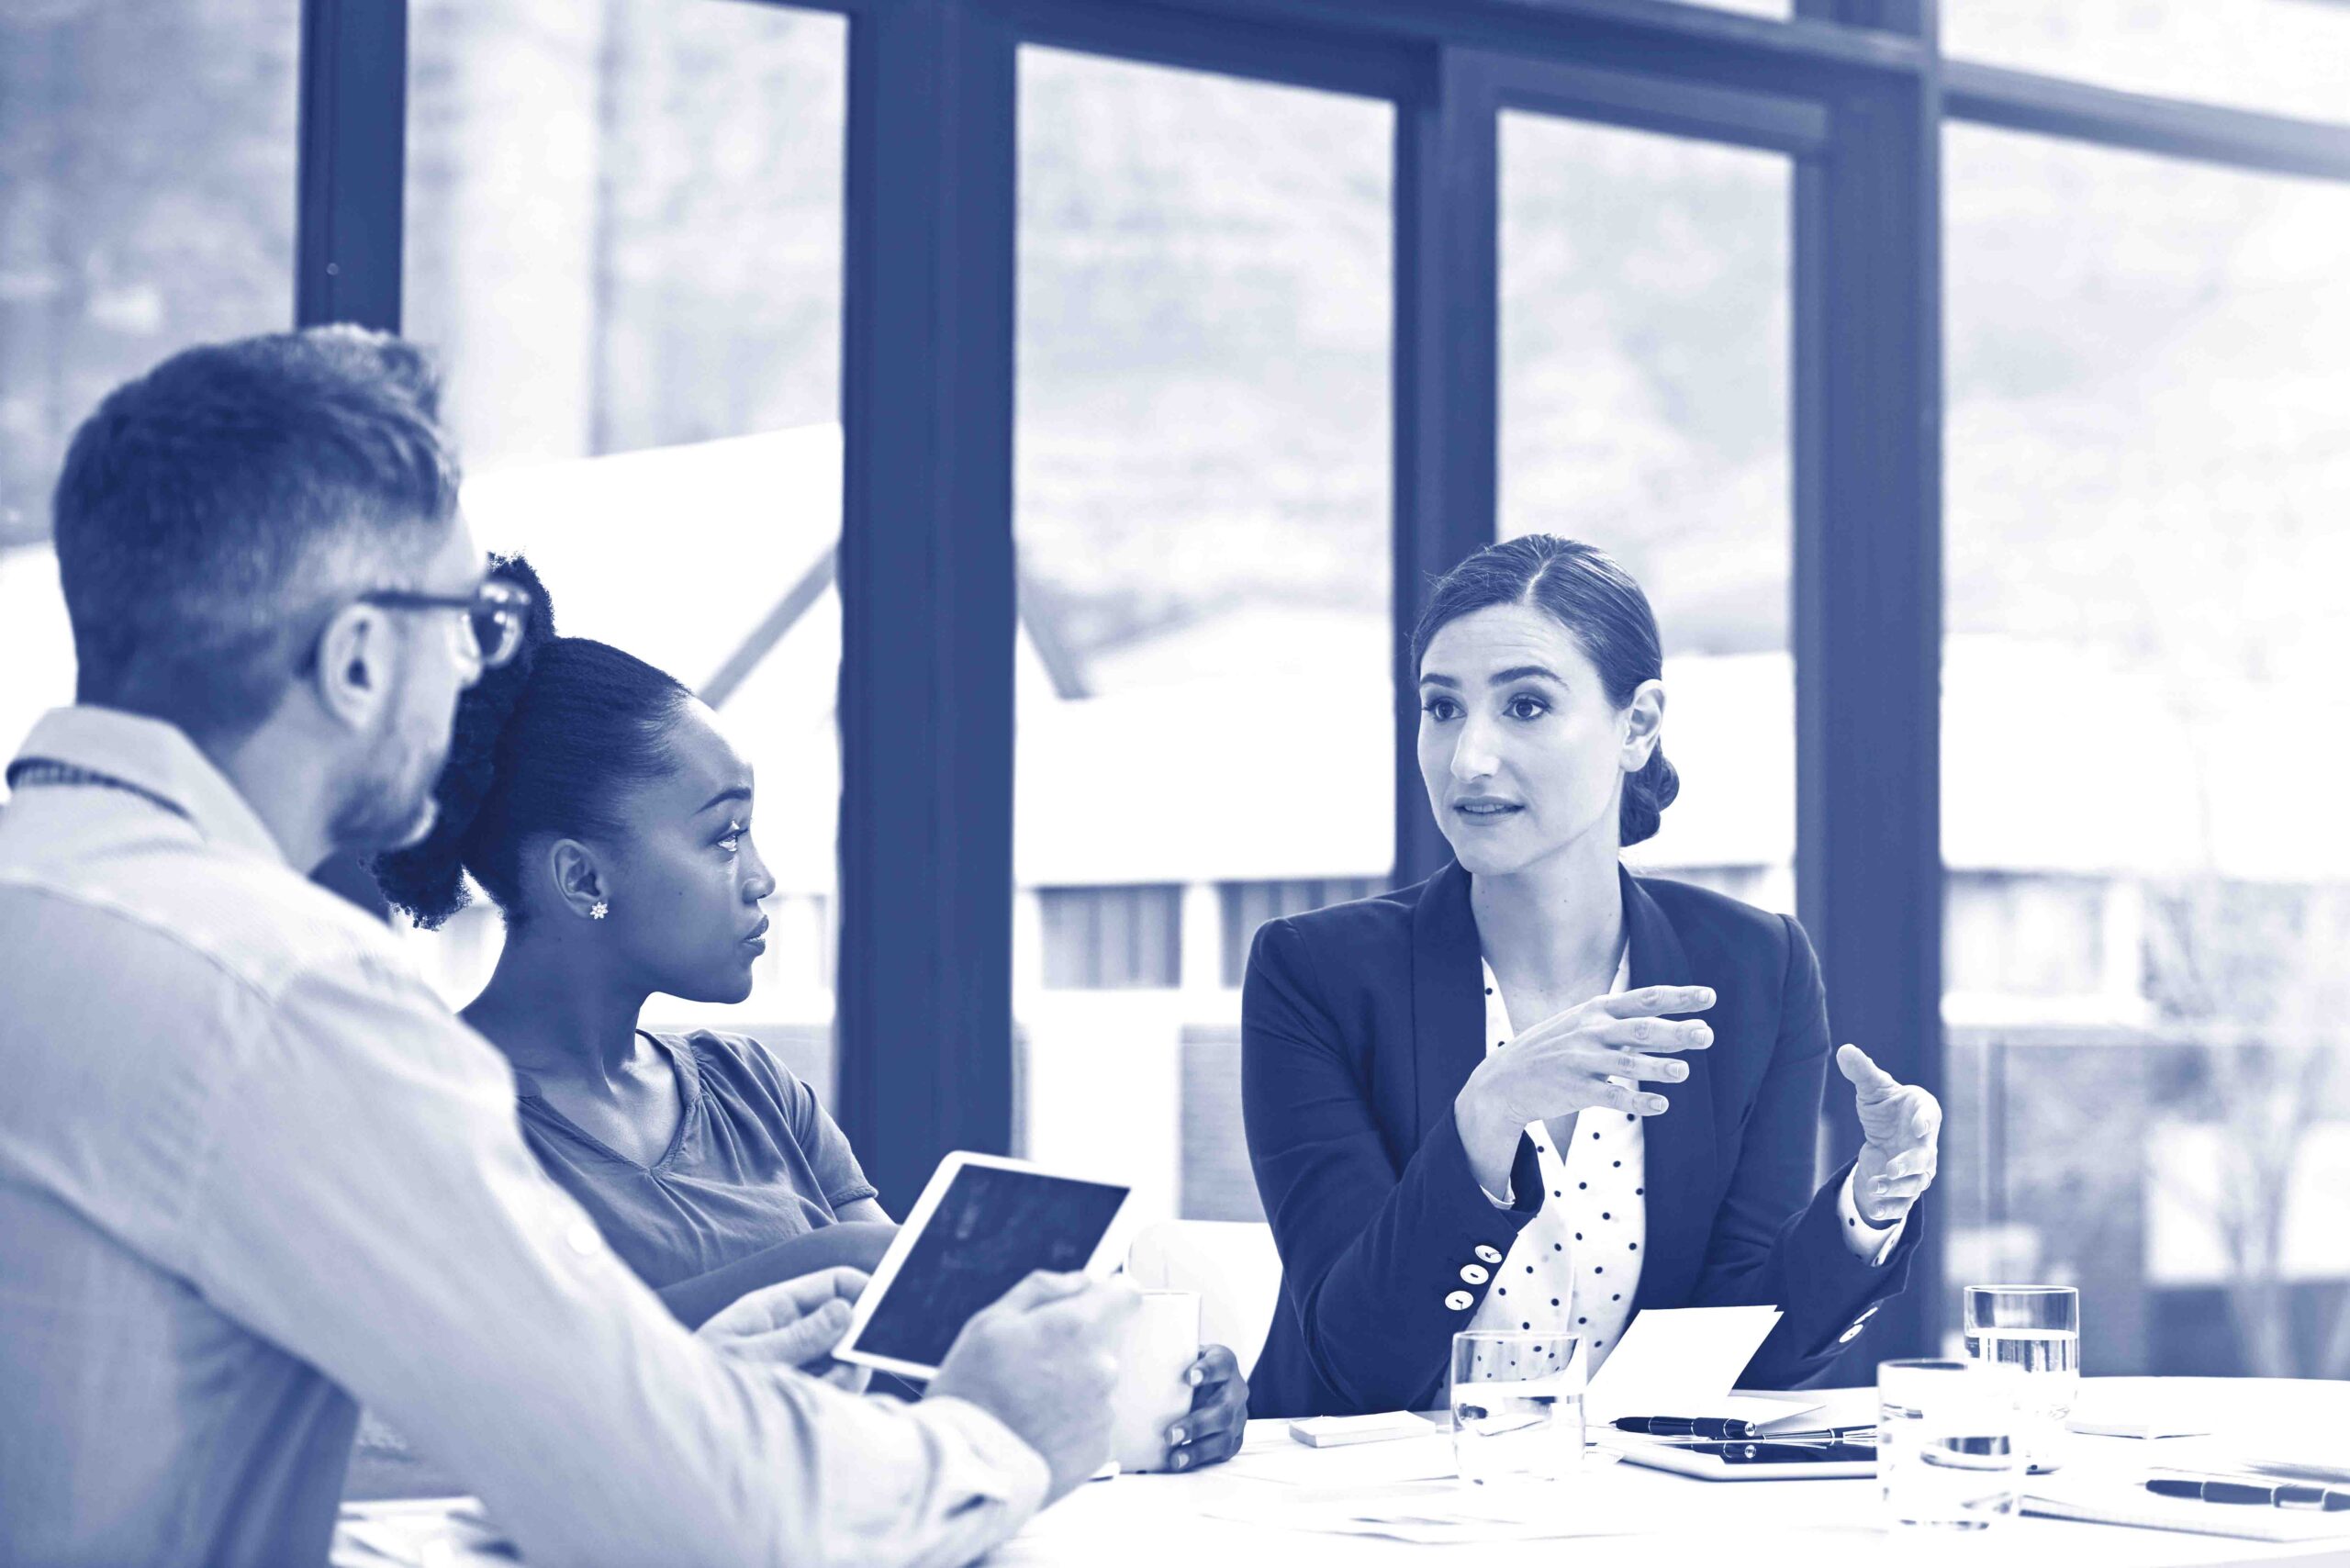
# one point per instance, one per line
(427, 878)
(1646, 794)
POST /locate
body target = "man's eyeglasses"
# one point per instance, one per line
(496, 612)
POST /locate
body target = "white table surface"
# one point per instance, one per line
(1138, 1521)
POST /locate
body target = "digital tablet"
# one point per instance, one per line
(1757, 1459)
(980, 1227)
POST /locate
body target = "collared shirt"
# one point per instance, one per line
(251, 1169)
(1575, 1269)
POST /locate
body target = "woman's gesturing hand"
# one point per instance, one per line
(1902, 1125)
(1564, 1064)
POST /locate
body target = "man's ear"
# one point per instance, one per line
(579, 882)
(354, 674)
(1643, 726)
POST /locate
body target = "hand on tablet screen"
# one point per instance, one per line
(1042, 1361)
(795, 1322)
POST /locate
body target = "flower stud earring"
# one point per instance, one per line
(600, 910)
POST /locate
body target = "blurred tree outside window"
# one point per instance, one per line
(1201, 492)
(1645, 304)
(623, 239)
(2143, 705)
(147, 195)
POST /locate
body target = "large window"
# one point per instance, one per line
(145, 204)
(1644, 339)
(625, 239)
(1201, 515)
(2144, 736)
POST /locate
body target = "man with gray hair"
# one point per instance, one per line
(251, 1169)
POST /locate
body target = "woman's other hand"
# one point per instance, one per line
(1212, 1432)
(1563, 1064)
(797, 1323)
(1901, 1126)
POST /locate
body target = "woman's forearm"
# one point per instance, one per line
(695, 1301)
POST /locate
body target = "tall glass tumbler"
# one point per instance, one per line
(2036, 1331)
(1948, 1457)
(1516, 1405)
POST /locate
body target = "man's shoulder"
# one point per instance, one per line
(166, 902)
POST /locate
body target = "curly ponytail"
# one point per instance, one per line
(545, 745)
(428, 878)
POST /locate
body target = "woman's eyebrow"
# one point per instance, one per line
(1522, 672)
(738, 792)
(1440, 681)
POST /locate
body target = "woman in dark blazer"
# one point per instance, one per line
(1643, 1136)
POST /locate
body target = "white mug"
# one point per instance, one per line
(1152, 1394)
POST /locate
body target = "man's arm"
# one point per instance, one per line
(370, 1206)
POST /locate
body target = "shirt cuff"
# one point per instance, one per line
(1872, 1242)
(1014, 1475)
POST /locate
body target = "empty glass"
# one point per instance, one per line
(1947, 1456)
(2036, 1331)
(1516, 1405)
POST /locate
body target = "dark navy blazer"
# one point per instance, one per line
(1360, 1023)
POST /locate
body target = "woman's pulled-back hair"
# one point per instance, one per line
(543, 745)
(1584, 589)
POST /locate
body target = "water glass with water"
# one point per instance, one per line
(2036, 1330)
(1948, 1456)
(1516, 1405)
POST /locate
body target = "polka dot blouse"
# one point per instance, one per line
(1577, 1265)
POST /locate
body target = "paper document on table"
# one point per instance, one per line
(1355, 1465)
(1439, 1513)
(1677, 1361)
(2110, 1500)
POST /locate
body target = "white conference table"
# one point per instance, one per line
(1143, 1521)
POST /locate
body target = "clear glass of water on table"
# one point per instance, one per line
(1947, 1454)
(1516, 1405)
(2036, 1330)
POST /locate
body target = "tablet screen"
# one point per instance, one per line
(992, 1228)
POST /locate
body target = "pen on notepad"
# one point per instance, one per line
(1720, 1427)
(2286, 1495)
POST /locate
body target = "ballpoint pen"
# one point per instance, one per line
(1713, 1427)
(2284, 1494)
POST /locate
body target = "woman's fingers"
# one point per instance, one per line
(1211, 1431)
(1653, 1069)
(1215, 1366)
(1652, 1034)
(1653, 1000)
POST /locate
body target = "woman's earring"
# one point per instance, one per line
(600, 910)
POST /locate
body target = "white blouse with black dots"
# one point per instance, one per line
(1576, 1266)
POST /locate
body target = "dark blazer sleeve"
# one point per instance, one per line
(1371, 1241)
(1768, 1245)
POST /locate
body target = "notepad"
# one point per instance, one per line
(1680, 1361)
(2111, 1502)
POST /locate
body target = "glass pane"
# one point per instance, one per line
(2282, 56)
(2144, 737)
(1203, 502)
(145, 204)
(1644, 341)
(642, 341)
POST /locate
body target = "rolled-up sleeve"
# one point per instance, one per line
(374, 1211)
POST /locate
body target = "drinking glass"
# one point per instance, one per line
(2036, 1330)
(1516, 1405)
(1947, 1455)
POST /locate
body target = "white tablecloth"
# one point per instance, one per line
(1141, 1521)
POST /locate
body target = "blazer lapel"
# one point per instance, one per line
(1447, 1013)
(1679, 1143)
